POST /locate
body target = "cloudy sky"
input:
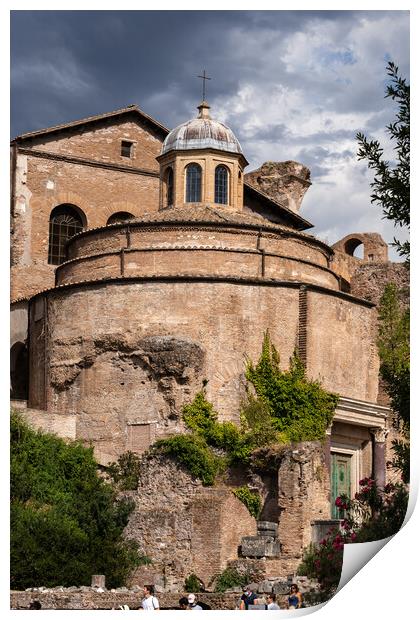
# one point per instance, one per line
(291, 84)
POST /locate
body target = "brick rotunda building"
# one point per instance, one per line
(145, 261)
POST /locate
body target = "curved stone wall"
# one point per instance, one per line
(143, 349)
(164, 250)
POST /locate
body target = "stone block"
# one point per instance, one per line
(266, 526)
(281, 587)
(98, 581)
(264, 587)
(260, 547)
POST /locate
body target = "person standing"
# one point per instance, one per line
(192, 603)
(294, 600)
(247, 598)
(149, 602)
(271, 602)
(183, 603)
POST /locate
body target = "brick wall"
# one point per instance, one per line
(43, 182)
(182, 526)
(214, 325)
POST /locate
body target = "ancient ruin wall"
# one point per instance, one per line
(341, 346)
(285, 181)
(184, 527)
(144, 348)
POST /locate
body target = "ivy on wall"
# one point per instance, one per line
(281, 407)
(250, 499)
(300, 409)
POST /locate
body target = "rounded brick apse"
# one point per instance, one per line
(166, 302)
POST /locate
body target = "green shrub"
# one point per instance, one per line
(66, 522)
(199, 415)
(251, 500)
(201, 418)
(125, 472)
(300, 409)
(230, 578)
(193, 452)
(193, 584)
(257, 421)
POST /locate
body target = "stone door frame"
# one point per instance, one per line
(355, 464)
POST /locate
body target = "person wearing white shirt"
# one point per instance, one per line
(271, 600)
(149, 602)
(192, 603)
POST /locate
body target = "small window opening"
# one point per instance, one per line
(169, 187)
(193, 190)
(126, 148)
(221, 185)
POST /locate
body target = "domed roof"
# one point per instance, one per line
(202, 133)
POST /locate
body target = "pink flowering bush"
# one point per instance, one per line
(373, 514)
(324, 561)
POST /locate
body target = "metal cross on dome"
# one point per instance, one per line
(204, 78)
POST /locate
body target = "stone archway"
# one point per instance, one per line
(352, 244)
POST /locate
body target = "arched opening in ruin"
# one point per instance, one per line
(354, 247)
(19, 371)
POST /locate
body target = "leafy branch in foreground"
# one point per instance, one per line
(391, 183)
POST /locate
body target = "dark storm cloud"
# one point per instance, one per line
(290, 84)
(107, 59)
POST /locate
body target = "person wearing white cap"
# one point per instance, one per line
(192, 604)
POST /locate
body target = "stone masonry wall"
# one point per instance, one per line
(87, 599)
(285, 181)
(369, 281)
(206, 328)
(303, 495)
(182, 526)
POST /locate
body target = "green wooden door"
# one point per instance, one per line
(340, 480)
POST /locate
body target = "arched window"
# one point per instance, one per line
(119, 217)
(65, 221)
(193, 183)
(169, 187)
(221, 179)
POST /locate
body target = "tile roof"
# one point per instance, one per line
(93, 119)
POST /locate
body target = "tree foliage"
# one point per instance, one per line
(300, 409)
(394, 353)
(125, 472)
(66, 522)
(391, 183)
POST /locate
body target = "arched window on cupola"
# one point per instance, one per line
(169, 187)
(193, 183)
(221, 185)
(65, 221)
